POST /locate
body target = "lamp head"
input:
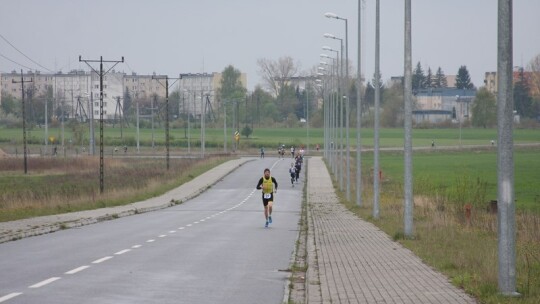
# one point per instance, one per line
(331, 15)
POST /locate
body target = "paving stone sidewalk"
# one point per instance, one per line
(45, 224)
(352, 261)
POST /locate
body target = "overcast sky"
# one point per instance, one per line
(192, 36)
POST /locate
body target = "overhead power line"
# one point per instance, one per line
(4, 38)
(14, 62)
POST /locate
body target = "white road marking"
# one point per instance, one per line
(102, 260)
(122, 251)
(195, 222)
(10, 296)
(172, 231)
(150, 241)
(180, 228)
(162, 236)
(43, 283)
(73, 271)
(202, 220)
(136, 246)
(189, 225)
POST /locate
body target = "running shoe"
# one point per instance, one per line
(270, 220)
(266, 225)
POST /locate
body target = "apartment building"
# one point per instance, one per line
(199, 91)
(76, 94)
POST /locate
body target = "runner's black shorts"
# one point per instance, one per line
(266, 200)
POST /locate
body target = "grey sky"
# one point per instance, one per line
(192, 36)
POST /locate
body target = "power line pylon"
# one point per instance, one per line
(101, 74)
(80, 112)
(166, 85)
(119, 110)
(24, 119)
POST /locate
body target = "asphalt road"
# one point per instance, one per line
(211, 249)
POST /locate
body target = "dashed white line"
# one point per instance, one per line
(122, 251)
(74, 271)
(150, 241)
(10, 296)
(45, 282)
(195, 222)
(102, 260)
(162, 236)
(189, 225)
(180, 228)
(136, 246)
(172, 231)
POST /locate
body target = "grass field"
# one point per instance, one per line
(441, 172)
(272, 137)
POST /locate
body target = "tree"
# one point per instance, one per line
(429, 79)
(174, 104)
(10, 105)
(484, 109)
(440, 79)
(231, 85)
(127, 102)
(369, 94)
(276, 74)
(522, 100)
(463, 79)
(534, 82)
(392, 109)
(264, 105)
(246, 131)
(418, 78)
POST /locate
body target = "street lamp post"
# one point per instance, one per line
(339, 108)
(346, 92)
(332, 125)
(329, 117)
(307, 117)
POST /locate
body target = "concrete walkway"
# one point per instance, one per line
(45, 224)
(352, 261)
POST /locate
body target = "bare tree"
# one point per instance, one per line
(534, 80)
(277, 73)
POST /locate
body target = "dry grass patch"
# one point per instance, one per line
(64, 185)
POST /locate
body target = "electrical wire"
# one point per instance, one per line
(24, 54)
(15, 62)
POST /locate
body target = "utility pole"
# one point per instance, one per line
(407, 149)
(101, 75)
(376, 175)
(358, 111)
(506, 216)
(24, 120)
(166, 85)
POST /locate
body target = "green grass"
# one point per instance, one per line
(272, 137)
(440, 172)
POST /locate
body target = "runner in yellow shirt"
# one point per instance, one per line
(266, 183)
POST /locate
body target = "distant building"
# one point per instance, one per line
(491, 81)
(438, 105)
(76, 94)
(198, 91)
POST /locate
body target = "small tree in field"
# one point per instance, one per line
(246, 131)
(484, 109)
